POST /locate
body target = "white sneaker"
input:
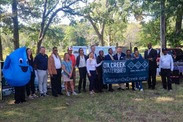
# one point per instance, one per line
(35, 96)
(31, 97)
(141, 90)
(91, 93)
(74, 93)
(68, 94)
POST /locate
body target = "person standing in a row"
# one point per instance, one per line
(91, 65)
(73, 59)
(100, 84)
(67, 68)
(81, 64)
(54, 68)
(129, 57)
(109, 56)
(120, 56)
(166, 67)
(41, 65)
(137, 56)
(151, 56)
(30, 87)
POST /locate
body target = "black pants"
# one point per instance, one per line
(30, 86)
(19, 94)
(165, 76)
(82, 74)
(99, 81)
(92, 80)
(152, 79)
(56, 83)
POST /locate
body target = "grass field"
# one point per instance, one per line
(120, 106)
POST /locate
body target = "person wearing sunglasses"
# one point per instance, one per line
(54, 68)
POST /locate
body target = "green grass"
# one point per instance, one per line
(120, 106)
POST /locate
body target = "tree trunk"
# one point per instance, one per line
(162, 25)
(15, 24)
(1, 49)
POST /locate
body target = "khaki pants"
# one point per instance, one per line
(42, 78)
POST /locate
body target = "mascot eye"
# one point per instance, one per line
(21, 60)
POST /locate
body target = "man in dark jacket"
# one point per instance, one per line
(151, 56)
(81, 64)
(120, 56)
(109, 57)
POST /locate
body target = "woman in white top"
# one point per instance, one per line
(91, 65)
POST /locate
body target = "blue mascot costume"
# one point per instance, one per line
(17, 72)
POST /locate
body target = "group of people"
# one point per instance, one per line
(91, 66)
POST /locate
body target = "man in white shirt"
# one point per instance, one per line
(166, 67)
(54, 68)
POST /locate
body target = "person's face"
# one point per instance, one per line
(67, 56)
(136, 53)
(55, 51)
(111, 51)
(93, 49)
(101, 53)
(149, 46)
(128, 52)
(42, 51)
(70, 52)
(81, 51)
(91, 55)
(119, 50)
(29, 52)
(165, 52)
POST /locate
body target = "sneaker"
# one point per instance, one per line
(34, 95)
(42, 95)
(141, 90)
(46, 94)
(31, 97)
(91, 93)
(74, 93)
(68, 94)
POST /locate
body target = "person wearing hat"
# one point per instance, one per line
(166, 67)
(151, 56)
(73, 60)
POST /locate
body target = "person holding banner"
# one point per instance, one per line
(109, 57)
(81, 64)
(99, 84)
(91, 65)
(120, 56)
(129, 57)
(136, 55)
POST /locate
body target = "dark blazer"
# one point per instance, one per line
(153, 55)
(78, 60)
(122, 57)
(107, 57)
(99, 59)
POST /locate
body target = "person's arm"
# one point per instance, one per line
(97, 65)
(35, 62)
(71, 71)
(49, 66)
(77, 61)
(87, 67)
(172, 65)
(63, 67)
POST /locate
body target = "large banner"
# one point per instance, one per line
(125, 71)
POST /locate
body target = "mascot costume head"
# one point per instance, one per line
(16, 70)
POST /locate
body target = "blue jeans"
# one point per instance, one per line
(139, 85)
